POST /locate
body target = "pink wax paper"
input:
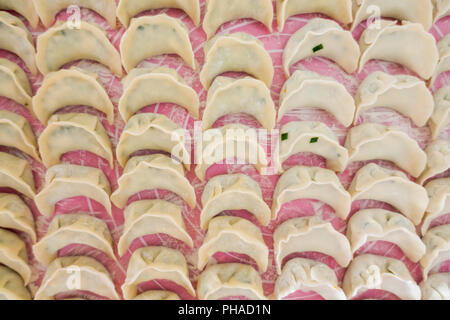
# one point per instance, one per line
(274, 43)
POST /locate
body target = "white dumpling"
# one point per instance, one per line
(235, 143)
(233, 192)
(168, 36)
(370, 272)
(156, 263)
(340, 10)
(62, 44)
(437, 242)
(48, 9)
(418, 11)
(219, 12)
(441, 115)
(14, 37)
(168, 87)
(15, 214)
(16, 173)
(312, 137)
(74, 132)
(13, 254)
(67, 181)
(152, 131)
(16, 132)
(405, 94)
(157, 295)
(308, 275)
(373, 182)
(439, 193)
(128, 9)
(441, 9)
(322, 38)
(12, 286)
(237, 235)
(230, 280)
(383, 225)
(68, 229)
(372, 141)
(25, 8)
(444, 58)
(147, 217)
(150, 173)
(316, 183)
(246, 95)
(310, 234)
(438, 160)
(408, 44)
(236, 52)
(91, 276)
(307, 89)
(14, 84)
(436, 287)
(71, 87)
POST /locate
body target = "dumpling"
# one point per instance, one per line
(233, 192)
(310, 234)
(169, 36)
(48, 9)
(24, 8)
(307, 89)
(76, 273)
(73, 132)
(152, 131)
(12, 286)
(237, 235)
(67, 181)
(441, 9)
(15, 173)
(436, 287)
(234, 143)
(444, 58)
(322, 38)
(236, 52)
(167, 87)
(391, 186)
(340, 10)
(311, 183)
(439, 193)
(372, 141)
(16, 132)
(382, 225)
(68, 229)
(156, 263)
(405, 94)
(308, 275)
(438, 160)
(370, 272)
(437, 241)
(418, 11)
(13, 254)
(157, 295)
(62, 44)
(15, 214)
(128, 9)
(246, 95)
(71, 88)
(408, 44)
(14, 37)
(230, 280)
(146, 217)
(14, 83)
(150, 173)
(313, 137)
(441, 115)
(219, 12)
